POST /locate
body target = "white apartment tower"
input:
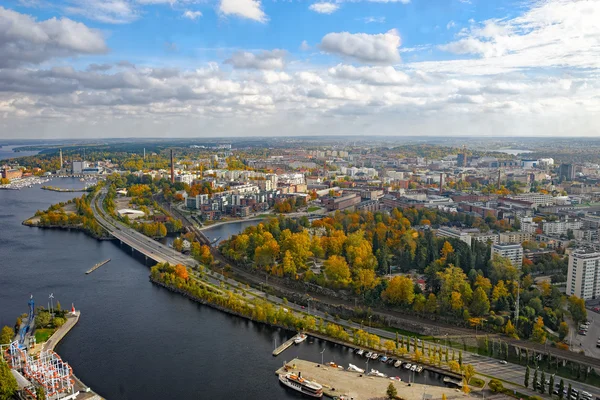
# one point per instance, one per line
(512, 251)
(583, 277)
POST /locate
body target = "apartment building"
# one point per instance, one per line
(583, 276)
(512, 251)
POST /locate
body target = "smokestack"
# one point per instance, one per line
(441, 183)
(61, 160)
(144, 153)
(172, 168)
(498, 179)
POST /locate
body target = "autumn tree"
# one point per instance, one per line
(539, 333)
(391, 391)
(577, 309)
(181, 272)
(8, 383)
(337, 270)
(563, 330)
(480, 305)
(6, 335)
(400, 290)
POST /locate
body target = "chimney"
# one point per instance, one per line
(172, 168)
(441, 183)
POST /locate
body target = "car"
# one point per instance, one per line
(503, 362)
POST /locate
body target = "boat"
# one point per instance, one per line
(354, 368)
(374, 372)
(414, 367)
(368, 355)
(396, 378)
(374, 356)
(300, 338)
(299, 384)
(397, 364)
(383, 359)
(419, 369)
(360, 352)
(407, 365)
(334, 365)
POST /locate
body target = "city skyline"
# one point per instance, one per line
(152, 68)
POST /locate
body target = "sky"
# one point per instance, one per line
(218, 68)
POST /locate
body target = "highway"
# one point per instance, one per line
(161, 253)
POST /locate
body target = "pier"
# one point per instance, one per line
(95, 267)
(286, 345)
(339, 383)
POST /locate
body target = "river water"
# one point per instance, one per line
(135, 340)
(6, 152)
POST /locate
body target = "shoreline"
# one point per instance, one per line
(231, 222)
(64, 228)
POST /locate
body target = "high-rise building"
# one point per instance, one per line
(461, 159)
(583, 276)
(172, 168)
(512, 251)
(566, 172)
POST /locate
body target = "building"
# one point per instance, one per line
(566, 172)
(583, 276)
(515, 237)
(78, 166)
(485, 237)
(561, 227)
(537, 199)
(342, 202)
(445, 231)
(514, 252)
(12, 173)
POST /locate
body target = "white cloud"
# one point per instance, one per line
(450, 25)
(264, 60)
(25, 40)
(108, 11)
(193, 15)
(304, 46)
(324, 8)
(250, 9)
(370, 75)
(380, 48)
(371, 20)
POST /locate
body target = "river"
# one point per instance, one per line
(6, 152)
(135, 340)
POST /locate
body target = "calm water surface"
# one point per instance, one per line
(135, 340)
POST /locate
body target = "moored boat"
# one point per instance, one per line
(374, 356)
(407, 365)
(383, 359)
(374, 372)
(354, 368)
(368, 355)
(301, 385)
(360, 352)
(397, 364)
(300, 338)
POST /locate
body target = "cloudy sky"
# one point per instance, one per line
(209, 68)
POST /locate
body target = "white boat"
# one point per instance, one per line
(419, 369)
(396, 378)
(334, 365)
(414, 367)
(397, 364)
(360, 352)
(374, 356)
(299, 384)
(407, 365)
(374, 372)
(300, 338)
(368, 355)
(354, 368)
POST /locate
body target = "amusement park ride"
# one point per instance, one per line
(46, 369)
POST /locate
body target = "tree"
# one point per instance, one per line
(468, 371)
(526, 382)
(480, 305)
(40, 393)
(42, 319)
(337, 270)
(534, 383)
(495, 386)
(561, 389)
(563, 330)
(391, 391)
(577, 309)
(6, 335)
(551, 385)
(8, 383)
(400, 290)
(569, 392)
(58, 322)
(510, 330)
(466, 389)
(460, 358)
(444, 396)
(289, 267)
(539, 334)
(542, 385)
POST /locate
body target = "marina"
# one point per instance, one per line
(352, 384)
(288, 343)
(95, 267)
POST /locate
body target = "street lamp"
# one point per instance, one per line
(370, 316)
(322, 356)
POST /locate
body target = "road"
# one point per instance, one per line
(588, 342)
(161, 253)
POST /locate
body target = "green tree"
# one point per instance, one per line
(6, 335)
(534, 384)
(42, 319)
(542, 385)
(480, 305)
(460, 358)
(551, 385)
(561, 389)
(569, 392)
(577, 309)
(563, 330)
(526, 382)
(40, 393)
(8, 383)
(538, 334)
(391, 391)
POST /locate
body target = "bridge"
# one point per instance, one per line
(148, 247)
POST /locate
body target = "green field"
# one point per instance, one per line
(42, 335)
(313, 208)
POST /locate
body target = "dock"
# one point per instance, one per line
(339, 383)
(95, 267)
(286, 345)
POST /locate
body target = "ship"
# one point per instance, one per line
(300, 338)
(299, 384)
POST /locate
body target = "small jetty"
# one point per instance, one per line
(286, 345)
(95, 267)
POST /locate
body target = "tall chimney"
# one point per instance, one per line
(61, 159)
(441, 183)
(172, 168)
(499, 178)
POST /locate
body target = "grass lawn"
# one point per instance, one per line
(313, 208)
(42, 335)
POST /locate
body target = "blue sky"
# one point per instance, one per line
(249, 67)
